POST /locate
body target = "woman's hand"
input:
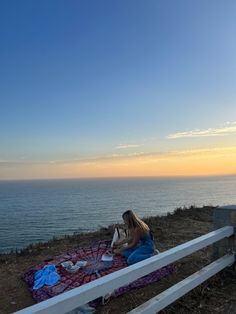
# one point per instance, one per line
(117, 244)
(118, 251)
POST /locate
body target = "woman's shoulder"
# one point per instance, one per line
(137, 230)
(142, 231)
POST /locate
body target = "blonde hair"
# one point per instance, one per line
(133, 221)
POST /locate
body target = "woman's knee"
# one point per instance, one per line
(135, 258)
(127, 253)
(131, 260)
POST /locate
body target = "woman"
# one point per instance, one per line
(139, 244)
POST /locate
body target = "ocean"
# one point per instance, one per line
(33, 211)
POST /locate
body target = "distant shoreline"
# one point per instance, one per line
(104, 231)
(122, 178)
(77, 235)
(33, 211)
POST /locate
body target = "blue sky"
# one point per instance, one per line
(82, 80)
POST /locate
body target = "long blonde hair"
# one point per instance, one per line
(133, 221)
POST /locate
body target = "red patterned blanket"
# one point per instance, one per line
(94, 269)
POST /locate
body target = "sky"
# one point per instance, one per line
(117, 88)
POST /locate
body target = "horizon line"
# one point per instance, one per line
(121, 177)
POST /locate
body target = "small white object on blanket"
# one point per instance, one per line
(70, 267)
(107, 257)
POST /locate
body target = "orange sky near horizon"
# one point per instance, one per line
(218, 161)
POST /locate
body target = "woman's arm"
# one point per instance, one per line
(127, 240)
(132, 242)
(135, 238)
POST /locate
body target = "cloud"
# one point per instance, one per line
(228, 129)
(95, 159)
(7, 163)
(153, 155)
(217, 151)
(124, 146)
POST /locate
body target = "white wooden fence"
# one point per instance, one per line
(72, 299)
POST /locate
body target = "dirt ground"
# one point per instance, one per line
(217, 295)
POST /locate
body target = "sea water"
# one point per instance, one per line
(33, 211)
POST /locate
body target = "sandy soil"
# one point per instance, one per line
(217, 295)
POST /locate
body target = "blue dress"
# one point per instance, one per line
(143, 250)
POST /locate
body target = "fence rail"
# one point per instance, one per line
(72, 299)
(170, 295)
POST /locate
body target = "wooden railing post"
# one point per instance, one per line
(225, 216)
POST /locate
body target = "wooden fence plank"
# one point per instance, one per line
(72, 299)
(170, 295)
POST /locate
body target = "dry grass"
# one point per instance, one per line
(217, 295)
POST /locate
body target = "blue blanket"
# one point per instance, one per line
(46, 276)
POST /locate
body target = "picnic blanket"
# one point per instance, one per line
(94, 269)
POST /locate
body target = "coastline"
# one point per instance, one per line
(37, 211)
(173, 229)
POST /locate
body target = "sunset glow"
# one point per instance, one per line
(117, 89)
(180, 163)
